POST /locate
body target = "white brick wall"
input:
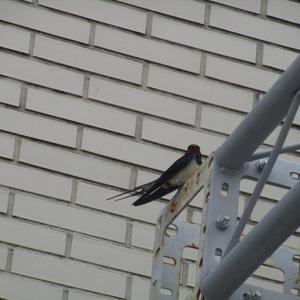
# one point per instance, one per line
(97, 96)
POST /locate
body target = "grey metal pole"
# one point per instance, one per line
(261, 121)
(255, 248)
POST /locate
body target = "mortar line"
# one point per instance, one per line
(31, 44)
(92, 35)
(198, 115)
(23, 98)
(69, 241)
(17, 149)
(9, 259)
(128, 287)
(74, 191)
(65, 295)
(128, 234)
(85, 88)
(10, 203)
(145, 74)
(149, 23)
(207, 14)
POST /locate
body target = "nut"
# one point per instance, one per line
(223, 222)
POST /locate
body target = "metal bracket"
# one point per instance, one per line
(168, 249)
(219, 216)
(216, 238)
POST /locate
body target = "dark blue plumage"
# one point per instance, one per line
(173, 178)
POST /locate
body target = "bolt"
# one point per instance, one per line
(223, 222)
(260, 164)
(254, 295)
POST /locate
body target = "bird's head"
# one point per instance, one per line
(193, 149)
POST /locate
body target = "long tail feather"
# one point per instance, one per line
(155, 195)
(137, 190)
(128, 196)
(118, 195)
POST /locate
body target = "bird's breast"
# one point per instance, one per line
(183, 175)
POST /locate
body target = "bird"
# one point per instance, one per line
(172, 179)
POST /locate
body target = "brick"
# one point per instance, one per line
(140, 288)
(3, 256)
(240, 74)
(191, 275)
(44, 20)
(292, 242)
(140, 100)
(183, 9)
(253, 6)
(285, 10)
(265, 284)
(7, 143)
(3, 200)
(270, 192)
(200, 89)
(9, 92)
(148, 49)
(95, 197)
(67, 272)
(32, 236)
(87, 59)
(37, 127)
(80, 220)
(112, 256)
(260, 210)
(143, 236)
(292, 137)
(40, 73)
(270, 273)
(15, 287)
(75, 295)
(124, 149)
(220, 120)
(203, 39)
(168, 134)
(74, 164)
(32, 180)
(14, 39)
(255, 27)
(277, 57)
(102, 11)
(81, 111)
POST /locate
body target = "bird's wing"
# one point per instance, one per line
(176, 167)
(136, 191)
(154, 189)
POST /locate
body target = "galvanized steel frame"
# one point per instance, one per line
(233, 161)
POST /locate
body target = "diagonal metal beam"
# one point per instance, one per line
(261, 121)
(265, 173)
(282, 221)
(267, 153)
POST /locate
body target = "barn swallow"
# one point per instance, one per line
(172, 179)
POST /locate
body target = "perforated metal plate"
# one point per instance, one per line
(221, 198)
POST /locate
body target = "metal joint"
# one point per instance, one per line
(223, 222)
(254, 295)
